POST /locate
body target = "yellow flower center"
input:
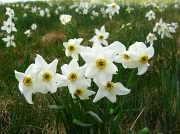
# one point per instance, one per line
(101, 37)
(109, 85)
(27, 81)
(113, 5)
(150, 36)
(144, 59)
(71, 48)
(8, 25)
(78, 92)
(151, 14)
(126, 56)
(101, 63)
(46, 76)
(72, 76)
(165, 29)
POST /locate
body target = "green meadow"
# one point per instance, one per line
(153, 104)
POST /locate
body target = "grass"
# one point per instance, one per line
(154, 99)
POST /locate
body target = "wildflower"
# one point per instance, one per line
(25, 15)
(109, 90)
(41, 13)
(33, 26)
(122, 57)
(165, 31)
(9, 41)
(141, 54)
(47, 78)
(73, 76)
(10, 12)
(28, 82)
(158, 26)
(28, 32)
(112, 8)
(150, 38)
(65, 18)
(102, 35)
(73, 48)
(9, 26)
(129, 9)
(100, 64)
(83, 93)
(150, 15)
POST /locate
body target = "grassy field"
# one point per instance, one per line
(153, 104)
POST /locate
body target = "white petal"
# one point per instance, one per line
(21, 85)
(27, 92)
(52, 67)
(19, 76)
(91, 71)
(119, 89)
(73, 65)
(72, 87)
(65, 70)
(142, 68)
(39, 61)
(110, 68)
(100, 94)
(51, 86)
(110, 55)
(103, 77)
(88, 57)
(150, 51)
(111, 96)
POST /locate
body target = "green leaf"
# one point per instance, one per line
(144, 131)
(94, 115)
(80, 123)
(56, 107)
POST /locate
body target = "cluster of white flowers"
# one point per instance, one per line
(165, 29)
(64, 18)
(33, 27)
(9, 27)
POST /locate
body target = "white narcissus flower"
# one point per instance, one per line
(73, 48)
(9, 41)
(102, 35)
(112, 8)
(150, 15)
(109, 90)
(158, 27)
(165, 31)
(33, 26)
(10, 12)
(73, 76)
(47, 78)
(151, 38)
(100, 64)
(9, 26)
(65, 18)
(141, 56)
(28, 82)
(83, 93)
(122, 57)
(28, 32)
